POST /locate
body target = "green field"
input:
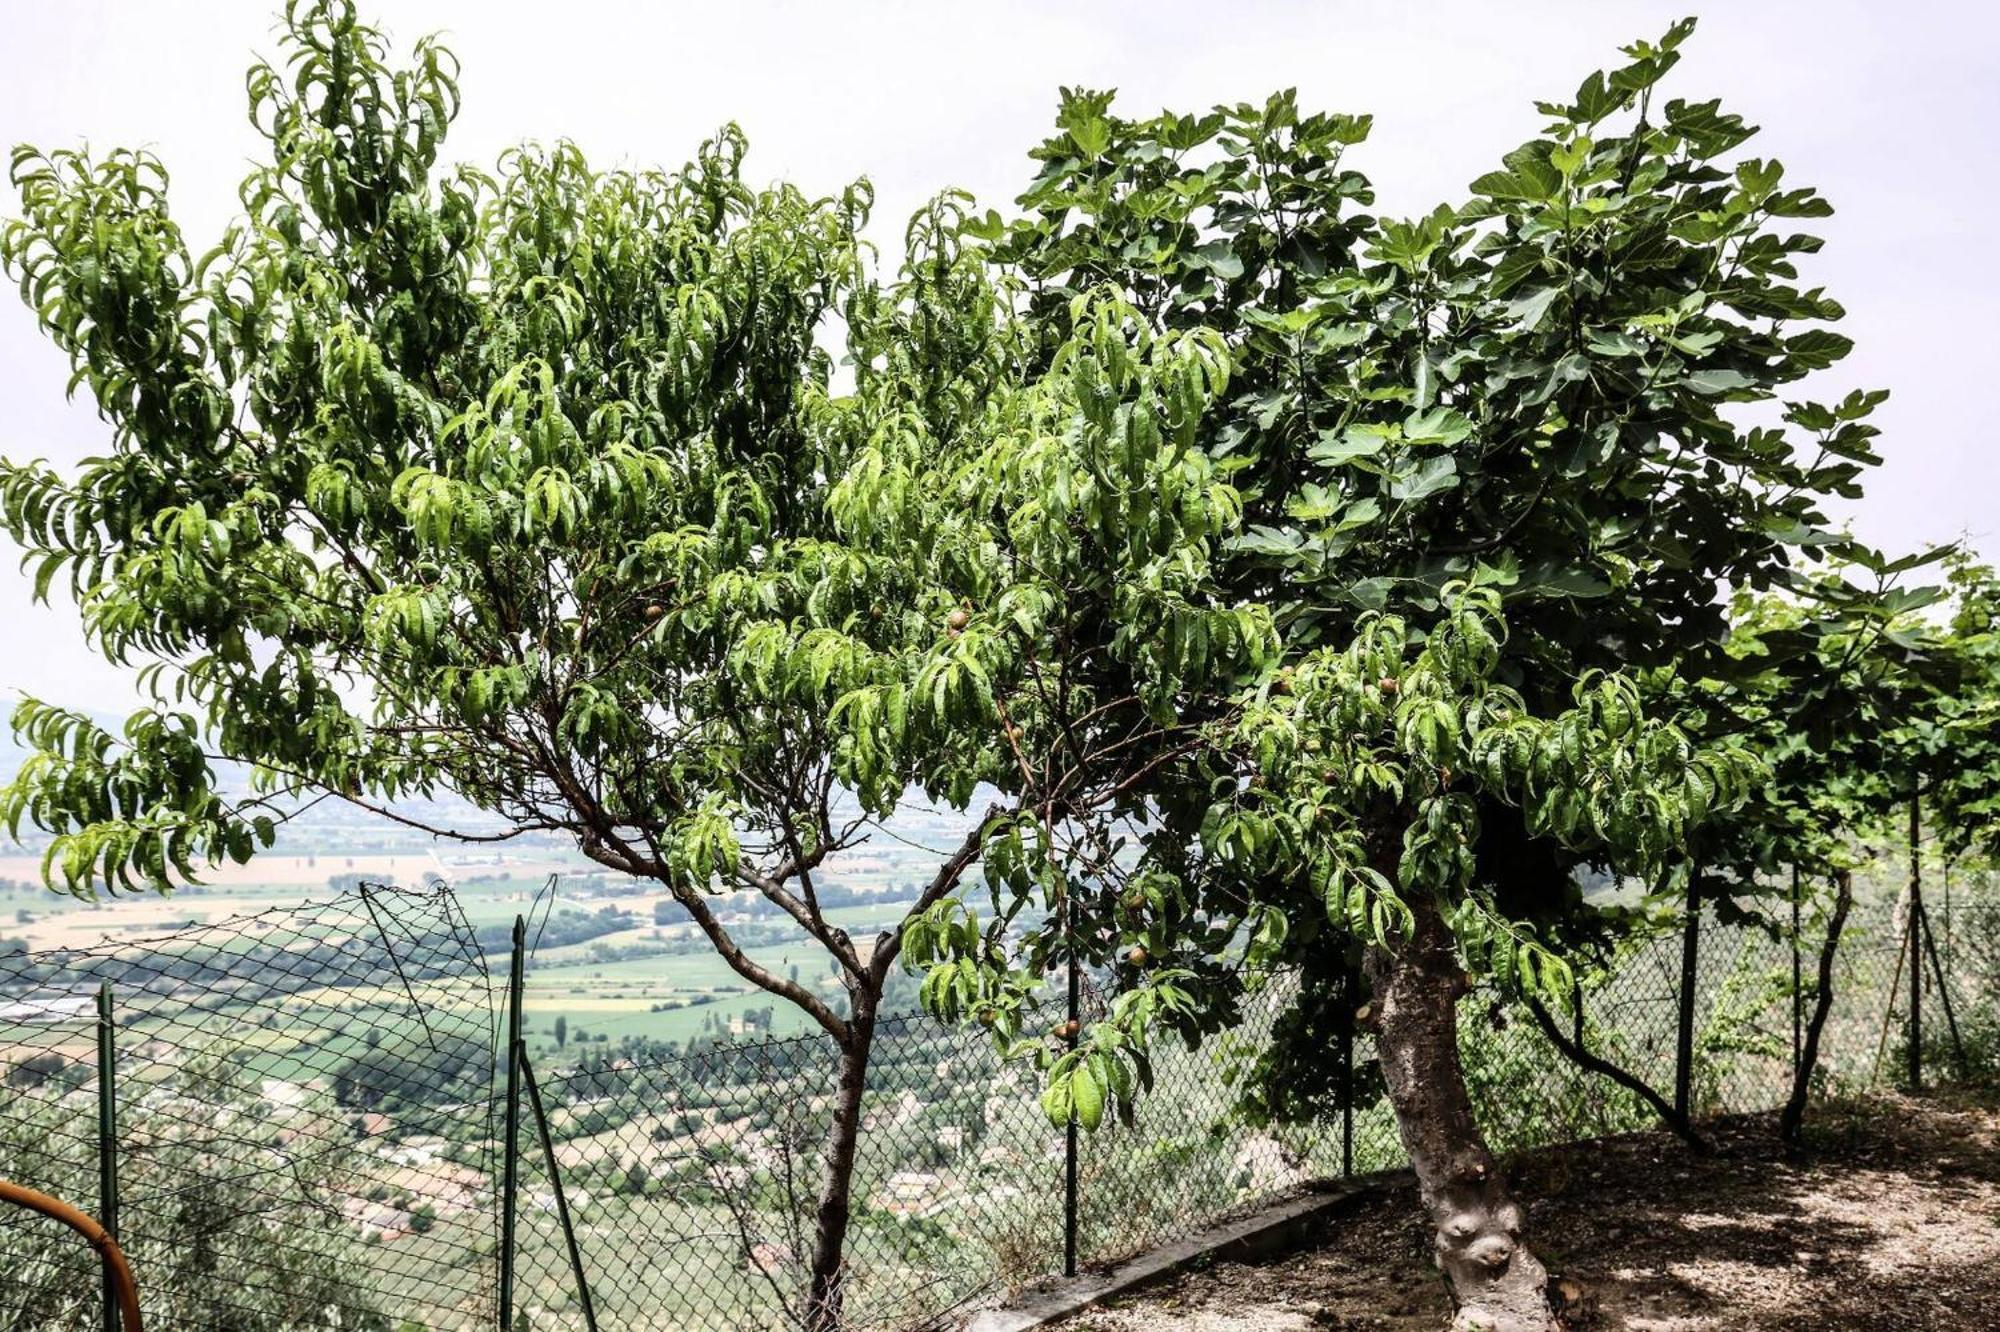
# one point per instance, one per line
(658, 997)
(673, 997)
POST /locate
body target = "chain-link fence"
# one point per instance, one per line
(698, 1176)
(308, 1120)
(298, 1123)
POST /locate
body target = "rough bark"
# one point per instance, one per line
(1497, 1283)
(1793, 1119)
(836, 1203)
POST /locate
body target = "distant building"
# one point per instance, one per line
(902, 1110)
(284, 1095)
(376, 1220)
(545, 1201)
(910, 1193)
(55, 1008)
(1263, 1165)
(769, 1258)
(417, 1152)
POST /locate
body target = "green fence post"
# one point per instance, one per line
(107, 1142)
(1945, 871)
(1943, 994)
(562, 1198)
(1347, 1082)
(509, 1178)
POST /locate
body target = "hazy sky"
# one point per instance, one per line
(1891, 110)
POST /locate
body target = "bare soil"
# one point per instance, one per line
(1891, 1220)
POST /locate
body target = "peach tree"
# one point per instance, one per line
(637, 508)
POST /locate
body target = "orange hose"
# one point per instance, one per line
(98, 1237)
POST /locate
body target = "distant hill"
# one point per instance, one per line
(914, 829)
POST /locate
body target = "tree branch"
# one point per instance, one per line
(942, 882)
(1573, 1051)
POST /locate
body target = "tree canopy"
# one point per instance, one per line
(1570, 394)
(1506, 468)
(643, 507)
(1269, 583)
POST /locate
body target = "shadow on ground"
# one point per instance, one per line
(1890, 1222)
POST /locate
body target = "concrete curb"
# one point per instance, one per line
(1260, 1232)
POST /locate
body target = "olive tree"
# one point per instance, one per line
(1573, 395)
(637, 507)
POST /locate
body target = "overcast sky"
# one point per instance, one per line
(1892, 110)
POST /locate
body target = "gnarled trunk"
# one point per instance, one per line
(1498, 1284)
(825, 1291)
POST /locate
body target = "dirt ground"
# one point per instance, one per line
(1892, 1222)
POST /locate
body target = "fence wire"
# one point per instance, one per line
(307, 1134)
(302, 1135)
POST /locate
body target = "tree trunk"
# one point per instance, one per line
(1794, 1116)
(1497, 1283)
(824, 1294)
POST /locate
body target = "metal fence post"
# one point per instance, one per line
(1943, 992)
(1916, 955)
(1690, 963)
(1069, 1132)
(107, 1142)
(562, 1196)
(509, 1177)
(1798, 996)
(1347, 1085)
(1945, 870)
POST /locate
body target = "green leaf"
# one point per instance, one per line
(1427, 477)
(1440, 425)
(1530, 310)
(1086, 1095)
(1356, 442)
(1220, 259)
(1528, 175)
